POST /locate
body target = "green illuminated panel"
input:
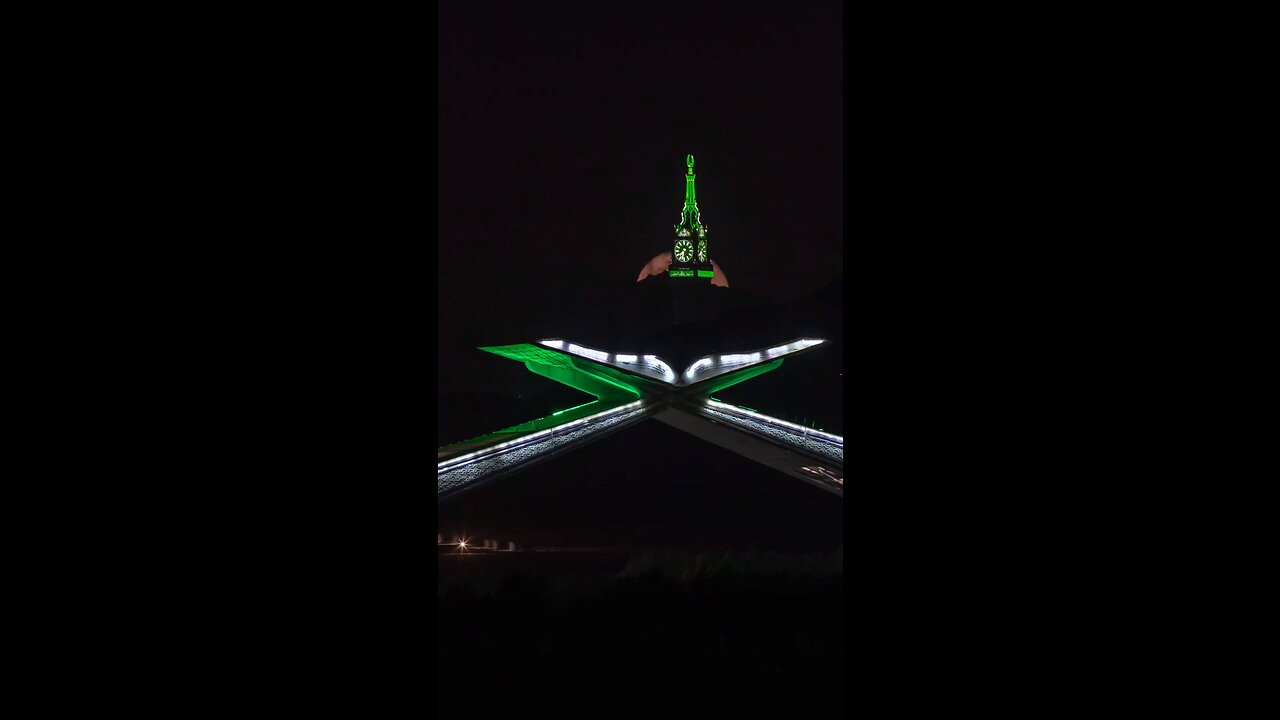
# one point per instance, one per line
(529, 353)
(733, 378)
(575, 407)
(706, 273)
(588, 381)
(681, 273)
(610, 388)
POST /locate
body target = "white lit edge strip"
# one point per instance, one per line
(453, 463)
(732, 409)
(668, 375)
(730, 361)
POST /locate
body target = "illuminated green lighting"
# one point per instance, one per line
(715, 385)
(690, 222)
(561, 412)
(526, 352)
(611, 388)
(567, 370)
(706, 273)
(588, 380)
(690, 195)
(681, 273)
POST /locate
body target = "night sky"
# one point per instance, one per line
(562, 136)
(563, 132)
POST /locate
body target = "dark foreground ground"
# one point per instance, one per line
(662, 632)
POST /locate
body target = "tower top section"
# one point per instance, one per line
(690, 218)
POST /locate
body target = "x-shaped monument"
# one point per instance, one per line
(631, 388)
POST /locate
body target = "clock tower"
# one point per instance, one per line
(690, 258)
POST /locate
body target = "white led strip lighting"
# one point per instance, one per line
(707, 367)
(512, 458)
(694, 368)
(760, 417)
(714, 365)
(648, 365)
(453, 463)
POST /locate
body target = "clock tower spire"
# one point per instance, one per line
(690, 258)
(689, 216)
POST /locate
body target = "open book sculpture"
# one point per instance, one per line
(632, 387)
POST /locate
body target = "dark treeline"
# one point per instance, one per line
(717, 631)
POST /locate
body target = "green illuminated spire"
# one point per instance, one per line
(690, 196)
(690, 219)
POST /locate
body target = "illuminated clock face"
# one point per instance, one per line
(702, 251)
(684, 250)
